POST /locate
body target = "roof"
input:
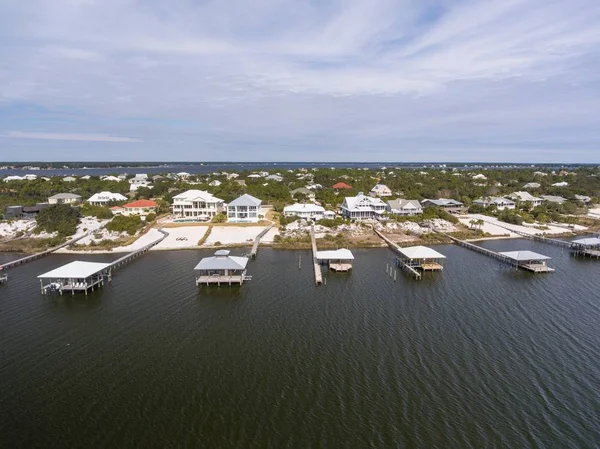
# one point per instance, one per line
(494, 200)
(198, 195)
(421, 252)
(342, 185)
(380, 187)
(588, 241)
(64, 196)
(75, 270)
(222, 261)
(553, 198)
(403, 204)
(524, 196)
(303, 208)
(140, 203)
(246, 200)
(443, 202)
(524, 256)
(343, 254)
(362, 202)
(107, 196)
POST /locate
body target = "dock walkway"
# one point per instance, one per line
(534, 237)
(36, 256)
(135, 254)
(401, 263)
(317, 268)
(254, 250)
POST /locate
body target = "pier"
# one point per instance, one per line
(36, 256)
(527, 260)
(137, 253)
(316, 267)
(337, 260)
(222, 269)
(77, 276)
(254, 250)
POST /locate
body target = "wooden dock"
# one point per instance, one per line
(137, 253)
(36, 256)
(317, 268)
(536, 238)
(254, 250)
(399, 261)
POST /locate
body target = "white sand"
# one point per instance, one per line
(151, 236)
(193, 234)
(231, 235)
(501, 228)
(8, 230)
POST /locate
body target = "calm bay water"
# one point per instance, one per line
(477, 356)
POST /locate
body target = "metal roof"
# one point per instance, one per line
(60, 196)
(75, 270)
(341, 254)
(246, 200)
(524, 256)
(588, 241)
(421, 252)
(222, 261)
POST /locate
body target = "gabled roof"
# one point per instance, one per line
(524, 256)
(553, 198)
(222, 261)
(404, 204)
(246, 200)
(75, 270)
(362, 202)
(303, 208)
(107, 196)
(523, 196)
(421, 252)
(379, 187)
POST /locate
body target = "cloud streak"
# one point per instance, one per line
(72, 137)
(362, 79)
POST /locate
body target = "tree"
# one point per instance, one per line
(60, 218)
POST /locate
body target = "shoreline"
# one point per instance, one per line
(299, 246)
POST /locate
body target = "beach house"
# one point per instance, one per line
(362, 207)
(449, 205)
(499, 202)
(404, 207)
(244, 209)
(104, 198)
(198, 204)
(309, 211)
(139, 207)
(380, 190)
(65, 198)
(523, 197)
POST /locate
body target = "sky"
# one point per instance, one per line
(300, 80)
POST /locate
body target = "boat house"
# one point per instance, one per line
(77, 276)
(589, 246)
(530, 261)
(222, 269)
(338, 260)
(421, 258)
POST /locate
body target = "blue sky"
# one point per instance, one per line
(297, 80)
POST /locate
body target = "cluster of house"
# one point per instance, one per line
(510, 201)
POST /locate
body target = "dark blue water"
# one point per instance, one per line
(477, 356)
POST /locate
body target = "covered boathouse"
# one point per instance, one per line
(77, 276)
(222, 269)
(589, 247)
(421, 258)
(338, 260)
(530, 261)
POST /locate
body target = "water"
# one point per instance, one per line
(476, 356)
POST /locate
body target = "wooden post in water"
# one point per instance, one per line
(299, 262)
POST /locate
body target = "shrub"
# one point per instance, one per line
(100, 212)
(150, 217)
(121, 223)
(60, 218)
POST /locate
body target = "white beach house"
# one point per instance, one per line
(310, 211)
(104, 198)
(404, 207)
(499, 202)
(197, 204)
(245, 209)
(362, 207)
(523, 197)
(380, 190)
(65, 198)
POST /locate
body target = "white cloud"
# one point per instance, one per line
(74, 137)
(377, 76)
